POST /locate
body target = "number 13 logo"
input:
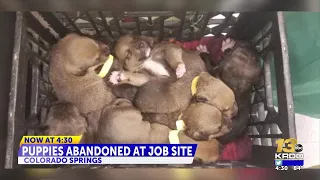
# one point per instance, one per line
(291, 143)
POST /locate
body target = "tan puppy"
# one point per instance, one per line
(72, 63)
(204, 122)
(141, 58)
(216, 93)
(64, 119)
(122, 123)
(207, 151)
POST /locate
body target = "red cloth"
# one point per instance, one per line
(240, 149)
(213, 46)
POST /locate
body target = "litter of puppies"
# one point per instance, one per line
(151, 92)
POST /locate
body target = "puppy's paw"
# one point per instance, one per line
(115, 77)
(202, 48)
(227, 44)
(181, 69)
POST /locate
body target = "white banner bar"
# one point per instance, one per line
(105, 160)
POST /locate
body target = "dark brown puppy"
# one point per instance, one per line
(204, 122)
(239, 69)
(72, 63)
(64, 119)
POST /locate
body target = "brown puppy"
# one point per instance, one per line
(216, 93)
(72, 63)
(174, 94)
(121, 122)
(141, 57)
(64, 119)
(204, 122)
(209, 116)
(207, 151)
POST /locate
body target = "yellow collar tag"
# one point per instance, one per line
(194, 85)
(174, 137)
(180, 125)
(106, 67)
(174, 134)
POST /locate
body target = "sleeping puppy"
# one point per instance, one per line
(64, 119)
(204, 122)
(207, 151)
(173, 93)
(239, 69)
(212, 98)
(121, 122)
(213, 91)
(72, 63)
(142, 59)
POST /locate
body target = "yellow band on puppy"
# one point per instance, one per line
(180, 125)
(174, 134)
(106, 67)
(194, 85)
(174, 137)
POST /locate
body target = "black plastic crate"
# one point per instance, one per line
(31, 94)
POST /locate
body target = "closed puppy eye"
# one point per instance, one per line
(201, 99)
(128, 54)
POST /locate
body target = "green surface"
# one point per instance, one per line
(303, 36)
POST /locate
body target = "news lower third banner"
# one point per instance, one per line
(39, 150)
